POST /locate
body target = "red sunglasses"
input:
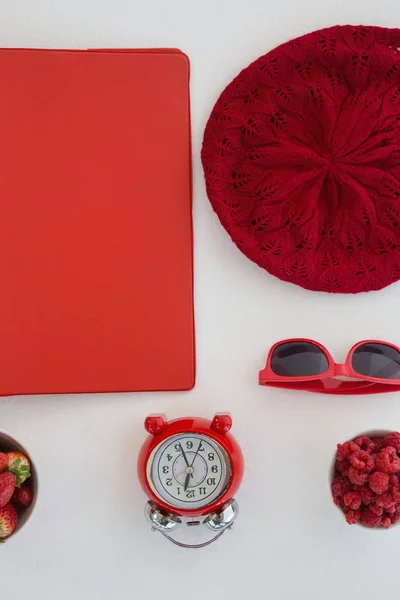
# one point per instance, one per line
(301, 364)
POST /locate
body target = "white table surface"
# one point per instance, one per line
(88, 540)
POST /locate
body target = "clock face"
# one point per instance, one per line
(189, 471)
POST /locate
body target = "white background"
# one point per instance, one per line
(88, 540)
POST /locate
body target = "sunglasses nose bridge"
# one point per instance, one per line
(340, 370)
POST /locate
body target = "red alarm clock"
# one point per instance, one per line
(190, 469)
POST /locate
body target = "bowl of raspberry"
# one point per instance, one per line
(365, 480)
(18, 486)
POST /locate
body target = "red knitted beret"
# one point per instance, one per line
(301, 157)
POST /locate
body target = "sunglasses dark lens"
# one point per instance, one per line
(298, 359)
(377, 360)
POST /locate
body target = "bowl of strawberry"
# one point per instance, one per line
(18, 486)
(366, 479)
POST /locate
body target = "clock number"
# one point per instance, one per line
(211, 456)
(189, 445)
(170, 457)
(211, 481)
(214, 469)
(190, 494)
(202, 491)
(177, 447)
(169, 482)
(165, 470)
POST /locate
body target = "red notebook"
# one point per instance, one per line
(95, 222)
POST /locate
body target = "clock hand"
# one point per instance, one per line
(197, 451)
(185, 487)
(184, 455)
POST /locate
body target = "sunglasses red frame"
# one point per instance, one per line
(330, 382)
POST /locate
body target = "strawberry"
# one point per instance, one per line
(8, 520)
(23, 496)
(3, 462)
(7, 487)
(20, 465)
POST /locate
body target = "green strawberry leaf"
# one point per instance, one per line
(21, 475)
(21, 471)
(21, 479)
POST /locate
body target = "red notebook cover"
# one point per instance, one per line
(96, 279)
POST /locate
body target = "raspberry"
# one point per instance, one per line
(344, 450)
(388, 461)
(379, 443)
(367, 495)
(394, 518)
(392, 439)
(377, 510)
(391, 510)
(365, 443)
(352, 500)
(357, 477)
(386, 522)
(362, 460)
(352, 516)
(395, 491)
(379, 482)
(340, 486)
(369, 519)
(385, 500)
(343, 466)
(366, 486)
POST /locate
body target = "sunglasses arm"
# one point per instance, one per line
(332, 386)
